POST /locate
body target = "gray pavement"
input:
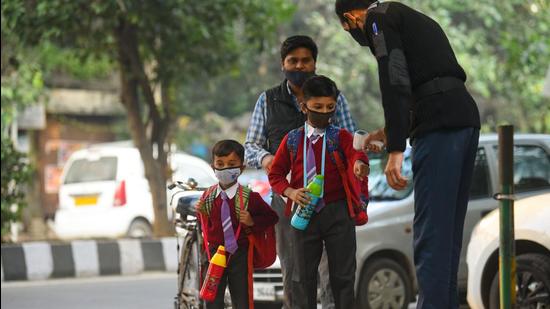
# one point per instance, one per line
(150, 290)
(136, 292)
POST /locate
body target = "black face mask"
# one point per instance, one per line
(319, 120)
(359, 37)
(298, 78)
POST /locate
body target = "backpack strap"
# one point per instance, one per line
(203, 213)
(342, 171)
(207, 200)
(293, 141)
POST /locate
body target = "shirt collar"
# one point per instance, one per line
(311, 130)
(375, 4)
(231, 191)
(294, 98)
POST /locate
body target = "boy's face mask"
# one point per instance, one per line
(227, 176)
(317, 119)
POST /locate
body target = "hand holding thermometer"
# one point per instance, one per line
(359, 140)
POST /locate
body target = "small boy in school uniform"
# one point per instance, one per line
(223, 213)
(332, 222)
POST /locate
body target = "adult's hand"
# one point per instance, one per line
(267, 161)
(393, 171)
(377, 136)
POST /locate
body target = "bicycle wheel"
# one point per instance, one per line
(188, 277)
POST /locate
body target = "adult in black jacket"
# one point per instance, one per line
(424, 98)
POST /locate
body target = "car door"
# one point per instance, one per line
(480, 204)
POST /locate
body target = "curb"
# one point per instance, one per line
(87, 258)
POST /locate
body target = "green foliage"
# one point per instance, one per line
(15, 175)
(64, 60)
(503, 46)
(22, 78)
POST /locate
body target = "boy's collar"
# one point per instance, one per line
(231, 191)
(311, 130)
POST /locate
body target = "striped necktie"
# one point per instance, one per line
(228, 235)
(311, 167)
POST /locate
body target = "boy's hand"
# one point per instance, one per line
(246, 218)
(298, 196)
(360, 169)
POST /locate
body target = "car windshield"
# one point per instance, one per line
(88, 170)
(379, 190)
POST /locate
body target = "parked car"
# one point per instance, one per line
(104, 192)
(385, 269)
(532, 243)
(256, 179)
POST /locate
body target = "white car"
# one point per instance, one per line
(532, 243)
(104, 192)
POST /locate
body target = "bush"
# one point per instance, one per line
(15, 175)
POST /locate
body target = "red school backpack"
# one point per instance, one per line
(263, 244)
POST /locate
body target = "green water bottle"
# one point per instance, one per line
(301, 217)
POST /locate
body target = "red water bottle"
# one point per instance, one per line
(213, 275)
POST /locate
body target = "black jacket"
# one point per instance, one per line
(411, 50)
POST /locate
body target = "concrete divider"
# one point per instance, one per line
(87, 258)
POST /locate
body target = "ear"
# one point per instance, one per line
(350, 18)
(303, 107)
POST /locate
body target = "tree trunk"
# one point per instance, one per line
(130, 83)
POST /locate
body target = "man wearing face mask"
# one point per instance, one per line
(276, 113)
(424, 97)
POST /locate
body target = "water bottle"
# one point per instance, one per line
(301, 217)
(213, 276)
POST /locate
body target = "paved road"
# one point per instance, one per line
(152, 290)
(135, 292)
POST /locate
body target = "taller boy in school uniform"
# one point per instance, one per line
(331, 223)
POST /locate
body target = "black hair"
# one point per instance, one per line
(298, 41)
(343, 6)
(226, 147)
(320, 86)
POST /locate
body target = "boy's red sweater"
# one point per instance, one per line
(334, 189)
(262, 215)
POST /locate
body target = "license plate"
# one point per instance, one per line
(264, 292)
(85, 200)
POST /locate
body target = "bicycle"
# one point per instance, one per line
(192, 260)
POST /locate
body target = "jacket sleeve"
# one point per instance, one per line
(393, 73)
(262, 215)
(280, 168)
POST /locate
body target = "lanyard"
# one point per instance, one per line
(322, 157)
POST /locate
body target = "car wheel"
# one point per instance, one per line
(140, 228)
(533, 283)
(384, 284)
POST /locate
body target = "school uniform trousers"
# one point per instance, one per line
(234, 276)
(334, 228)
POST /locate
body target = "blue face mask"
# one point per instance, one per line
(298, 78)
(227, 175)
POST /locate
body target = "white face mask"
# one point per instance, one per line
(227, 175)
